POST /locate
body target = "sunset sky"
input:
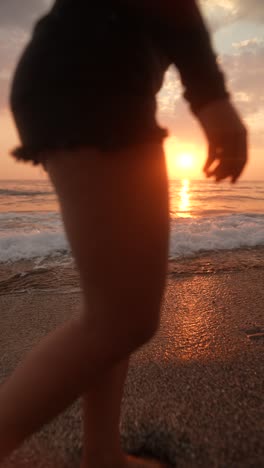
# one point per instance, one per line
(238, 38)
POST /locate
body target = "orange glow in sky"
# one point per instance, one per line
(239, 47)
(184, 160)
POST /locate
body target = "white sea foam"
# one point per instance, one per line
(188, 236)
(27, 246)
(204, 217)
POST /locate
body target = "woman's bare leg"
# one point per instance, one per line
(140, 180)
(115, 211)
(101, 416)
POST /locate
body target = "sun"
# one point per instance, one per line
(185, 160)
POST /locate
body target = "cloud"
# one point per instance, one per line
(245, 74)
(12, 42)
(219, 13)
(248, 43)
(17, 18)
(21, 13)
(173, 111)
(244, 65)
(222, 13)
(250, 9)
(243, 68)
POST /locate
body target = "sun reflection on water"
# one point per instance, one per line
(184, 201)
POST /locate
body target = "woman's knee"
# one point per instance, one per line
(140, 332)
(122, 336)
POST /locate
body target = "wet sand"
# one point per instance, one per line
(194, 394)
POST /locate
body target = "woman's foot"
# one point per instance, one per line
(129, 461)
(137, 462)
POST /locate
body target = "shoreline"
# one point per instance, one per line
(193, 394)
(59, 275)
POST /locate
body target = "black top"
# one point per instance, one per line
(179, 30)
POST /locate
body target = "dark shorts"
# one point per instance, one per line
(88, 76)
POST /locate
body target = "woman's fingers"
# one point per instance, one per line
(227, 138)
(210, 158)
(231, 155)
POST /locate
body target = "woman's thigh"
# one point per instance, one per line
(115, 211)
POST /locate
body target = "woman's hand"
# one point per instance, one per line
(227, 139)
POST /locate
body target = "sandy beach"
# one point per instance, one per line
(194, 394)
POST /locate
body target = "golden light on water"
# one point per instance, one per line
(181, 203)
(184, 202)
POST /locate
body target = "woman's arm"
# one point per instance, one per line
(180, 30)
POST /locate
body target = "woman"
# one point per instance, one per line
(84, 102)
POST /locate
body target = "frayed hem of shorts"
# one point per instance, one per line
(26, 155)
(38, 155)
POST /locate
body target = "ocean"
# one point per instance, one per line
(213, 227)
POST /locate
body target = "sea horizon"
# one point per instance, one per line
(212, 227)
